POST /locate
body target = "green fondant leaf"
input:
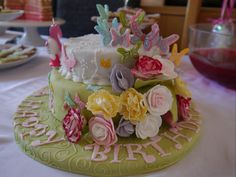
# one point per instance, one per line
(93, 87)
(68, 100)
(49, 75)
(174, 109)
(87, 137)
(129, 54)
(143, 83)
(159, 80)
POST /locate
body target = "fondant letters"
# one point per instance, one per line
(32, 122)
(172, 134)
(138, 150)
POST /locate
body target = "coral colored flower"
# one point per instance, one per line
(147, 68)
(73, 124)
(121, 78)
(132, 105)
(149, 127)
(102, 131)
(158, 100)
(183, 107)
(103, 103)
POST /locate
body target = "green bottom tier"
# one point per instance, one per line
(42, 138)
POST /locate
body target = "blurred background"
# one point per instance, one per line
(175, 16)
(77, 13)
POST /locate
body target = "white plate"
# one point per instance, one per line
(18, 62)
(10, 15)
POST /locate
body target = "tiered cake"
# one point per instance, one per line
(115, 104)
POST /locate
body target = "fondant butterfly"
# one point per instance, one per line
(138, 17)
(102, 28)
(120, 39)
(129, 54)
(115, 24)
(164, 43)
(103, 11)
(176, 56)
(149, 40)
(68, 62)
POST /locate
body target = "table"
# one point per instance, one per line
(31, 35)
(214, 155)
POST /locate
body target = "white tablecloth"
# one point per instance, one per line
(213, 156)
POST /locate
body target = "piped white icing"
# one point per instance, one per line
(90, 54)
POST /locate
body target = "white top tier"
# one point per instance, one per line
(93, 60)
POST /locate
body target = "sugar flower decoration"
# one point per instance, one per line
(121, 78)
(147, 68)
(181, 88)
(149, 40)
(132, 105)
(149, 127)
(168, 68)
(105, 63)
(125, 128)
(103, 103)
(158, 100)
(169, 119)
(73, 124)
(102, 131)
(183, 107)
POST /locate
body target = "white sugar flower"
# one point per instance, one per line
(149, 127)
(158, 100)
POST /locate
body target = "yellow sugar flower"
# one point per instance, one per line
(103, 103)
(181, 88)
(132, 105)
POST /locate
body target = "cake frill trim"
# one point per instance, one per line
(144, 95)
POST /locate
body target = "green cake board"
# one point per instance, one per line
(41, 136)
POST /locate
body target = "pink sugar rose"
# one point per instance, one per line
(73, 124)
(183, 107)
(102, 131)
(147, 68)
